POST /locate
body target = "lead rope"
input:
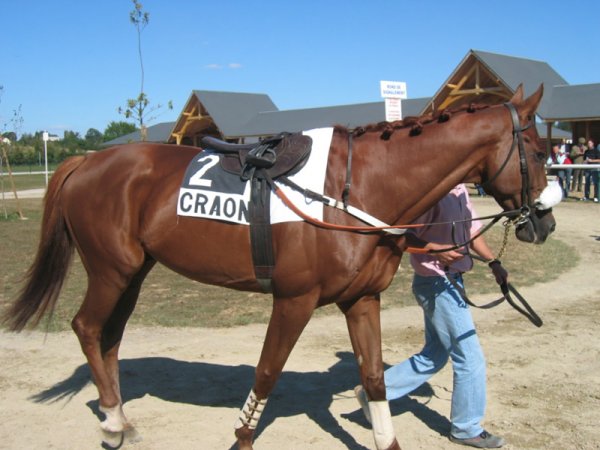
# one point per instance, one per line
(506, 288)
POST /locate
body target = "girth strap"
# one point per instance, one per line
(261, 238)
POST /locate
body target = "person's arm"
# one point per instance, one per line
(589, 160)
(481, 247)
(446, 258)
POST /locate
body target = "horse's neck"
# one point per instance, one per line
(416, 172)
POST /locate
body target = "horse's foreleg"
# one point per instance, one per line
(288, 319)
(364, 327)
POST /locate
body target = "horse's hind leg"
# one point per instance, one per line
(99, 325)
(288, 319)
(364, 327)
(113, 333)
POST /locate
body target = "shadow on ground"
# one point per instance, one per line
(216, 385)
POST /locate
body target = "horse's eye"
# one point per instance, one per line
(540, 156)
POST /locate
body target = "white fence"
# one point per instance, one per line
(573, 166)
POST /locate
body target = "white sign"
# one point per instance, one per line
(393, 109)
(393, 89)
(393, 92)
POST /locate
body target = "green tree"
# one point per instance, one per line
(118, 129)
(10, 135)
(71, 140)
(139, 107)
(93, 139)
(565, 126)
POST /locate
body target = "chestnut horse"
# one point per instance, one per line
(118, 209)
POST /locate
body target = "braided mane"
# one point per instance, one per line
(414, 123)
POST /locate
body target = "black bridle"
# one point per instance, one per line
(517, 143)
(526, 207)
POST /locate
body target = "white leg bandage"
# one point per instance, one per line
(383, 429)
(251, 412)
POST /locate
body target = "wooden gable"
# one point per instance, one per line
(471, 82)
(193, 123)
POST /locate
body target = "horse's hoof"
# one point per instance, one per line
(244, 437)
(112, 439)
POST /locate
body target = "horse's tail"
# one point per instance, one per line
(45, 277)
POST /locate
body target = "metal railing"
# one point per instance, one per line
(572, 166)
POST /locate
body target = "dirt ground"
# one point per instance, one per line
(183, 387)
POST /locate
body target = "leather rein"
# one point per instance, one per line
(507, 289)
(516, 216)
(375, 225)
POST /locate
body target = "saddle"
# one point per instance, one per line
(260, 163)
(284, 154)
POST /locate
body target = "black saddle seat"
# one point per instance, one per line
(284, 154)
(220, 146)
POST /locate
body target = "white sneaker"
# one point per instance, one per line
(363, 400)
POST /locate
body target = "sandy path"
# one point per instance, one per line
(183, 387)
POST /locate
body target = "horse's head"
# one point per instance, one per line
(515, 173)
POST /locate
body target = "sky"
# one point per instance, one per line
(70, 64)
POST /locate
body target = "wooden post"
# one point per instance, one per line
(548, 138)
(12, 182)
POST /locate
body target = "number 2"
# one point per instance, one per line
(209, 162)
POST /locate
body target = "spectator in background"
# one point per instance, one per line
(591, 156)
(564, 152)
(576, 155)
(558, 157)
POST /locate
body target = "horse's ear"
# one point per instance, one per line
(531, 103)
(518, 95)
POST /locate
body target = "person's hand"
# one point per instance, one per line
(499, 272)
(446, 258)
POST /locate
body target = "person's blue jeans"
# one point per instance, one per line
(591, 179)
(449, 333)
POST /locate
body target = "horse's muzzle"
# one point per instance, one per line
(537, 228)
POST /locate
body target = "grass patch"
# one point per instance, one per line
(170, 300)
(22, 182)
